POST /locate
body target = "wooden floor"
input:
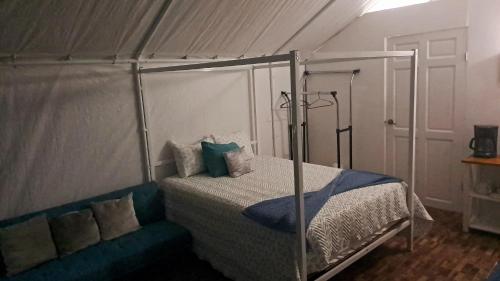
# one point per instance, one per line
(446, 253)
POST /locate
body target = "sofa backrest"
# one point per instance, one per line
(148, 205)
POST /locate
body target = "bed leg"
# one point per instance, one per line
(409, 238)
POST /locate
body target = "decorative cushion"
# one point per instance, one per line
(213, 156)
(124, 258)
(116, 217)
(240, 138)
(26, 245)
(74, 231)
(188, 158)
(238, 162)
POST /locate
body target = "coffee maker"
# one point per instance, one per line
(484, 142)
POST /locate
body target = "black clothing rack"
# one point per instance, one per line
(338, 130)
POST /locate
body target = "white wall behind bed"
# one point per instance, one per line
(185, 106)
(272, 120)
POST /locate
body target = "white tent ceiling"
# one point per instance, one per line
(103, 29)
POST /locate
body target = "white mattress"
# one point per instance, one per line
(245, 250)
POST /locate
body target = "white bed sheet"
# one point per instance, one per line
(245, 250)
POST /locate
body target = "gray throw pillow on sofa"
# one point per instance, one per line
(115, 217)
(26, 245)
(75, 231)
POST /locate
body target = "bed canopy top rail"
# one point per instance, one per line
(217, 64)
(293, 60)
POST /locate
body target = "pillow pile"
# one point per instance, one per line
(39, 240)
(220, 155)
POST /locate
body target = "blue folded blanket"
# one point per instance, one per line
(279, 213)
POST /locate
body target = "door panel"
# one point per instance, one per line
(440, 114)
(440, 97)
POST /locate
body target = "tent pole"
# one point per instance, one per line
(143, 123)
(297, 164)
(153, 29)
(253, 109)
(412, 147)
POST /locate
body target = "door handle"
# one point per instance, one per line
(390, 122)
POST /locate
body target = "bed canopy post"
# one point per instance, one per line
(412, 147)
(297, 164)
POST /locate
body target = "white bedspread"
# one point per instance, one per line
(244, 250)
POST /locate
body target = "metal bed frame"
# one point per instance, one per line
(294, 60)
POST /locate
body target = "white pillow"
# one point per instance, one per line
(240, 138)
(188, 158)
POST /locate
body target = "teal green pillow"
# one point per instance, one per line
(213, 156)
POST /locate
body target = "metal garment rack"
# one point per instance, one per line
(293, 58)
(305, 125)
(338, 130)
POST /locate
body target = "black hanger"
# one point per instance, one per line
(288, 101)
(321, 102)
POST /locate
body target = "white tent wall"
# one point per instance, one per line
(187, 106)
(267, 26)
(96, 29)
(67, 133)
(369, 32)
(105, 29)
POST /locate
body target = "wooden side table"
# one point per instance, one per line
(471, 218)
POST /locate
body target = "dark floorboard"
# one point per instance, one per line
(446, 253)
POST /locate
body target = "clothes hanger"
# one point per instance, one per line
(287, 102)
(321, 102)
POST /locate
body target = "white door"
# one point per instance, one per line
(440, 115)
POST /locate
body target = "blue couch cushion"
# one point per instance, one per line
(148, 205)
(113, 260)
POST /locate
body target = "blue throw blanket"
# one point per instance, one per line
(279, 213)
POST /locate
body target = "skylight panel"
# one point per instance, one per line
(392, 4)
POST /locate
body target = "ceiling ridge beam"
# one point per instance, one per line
(304, 26)
(152, 29)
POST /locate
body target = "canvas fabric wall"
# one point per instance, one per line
(185, 107)
(101, 29)
(67, 133)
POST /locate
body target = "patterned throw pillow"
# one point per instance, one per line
(239, 162)
(188, 158)
(240, 138)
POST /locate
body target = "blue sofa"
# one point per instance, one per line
(157, 242)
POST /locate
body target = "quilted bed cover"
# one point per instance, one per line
(244, 250)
